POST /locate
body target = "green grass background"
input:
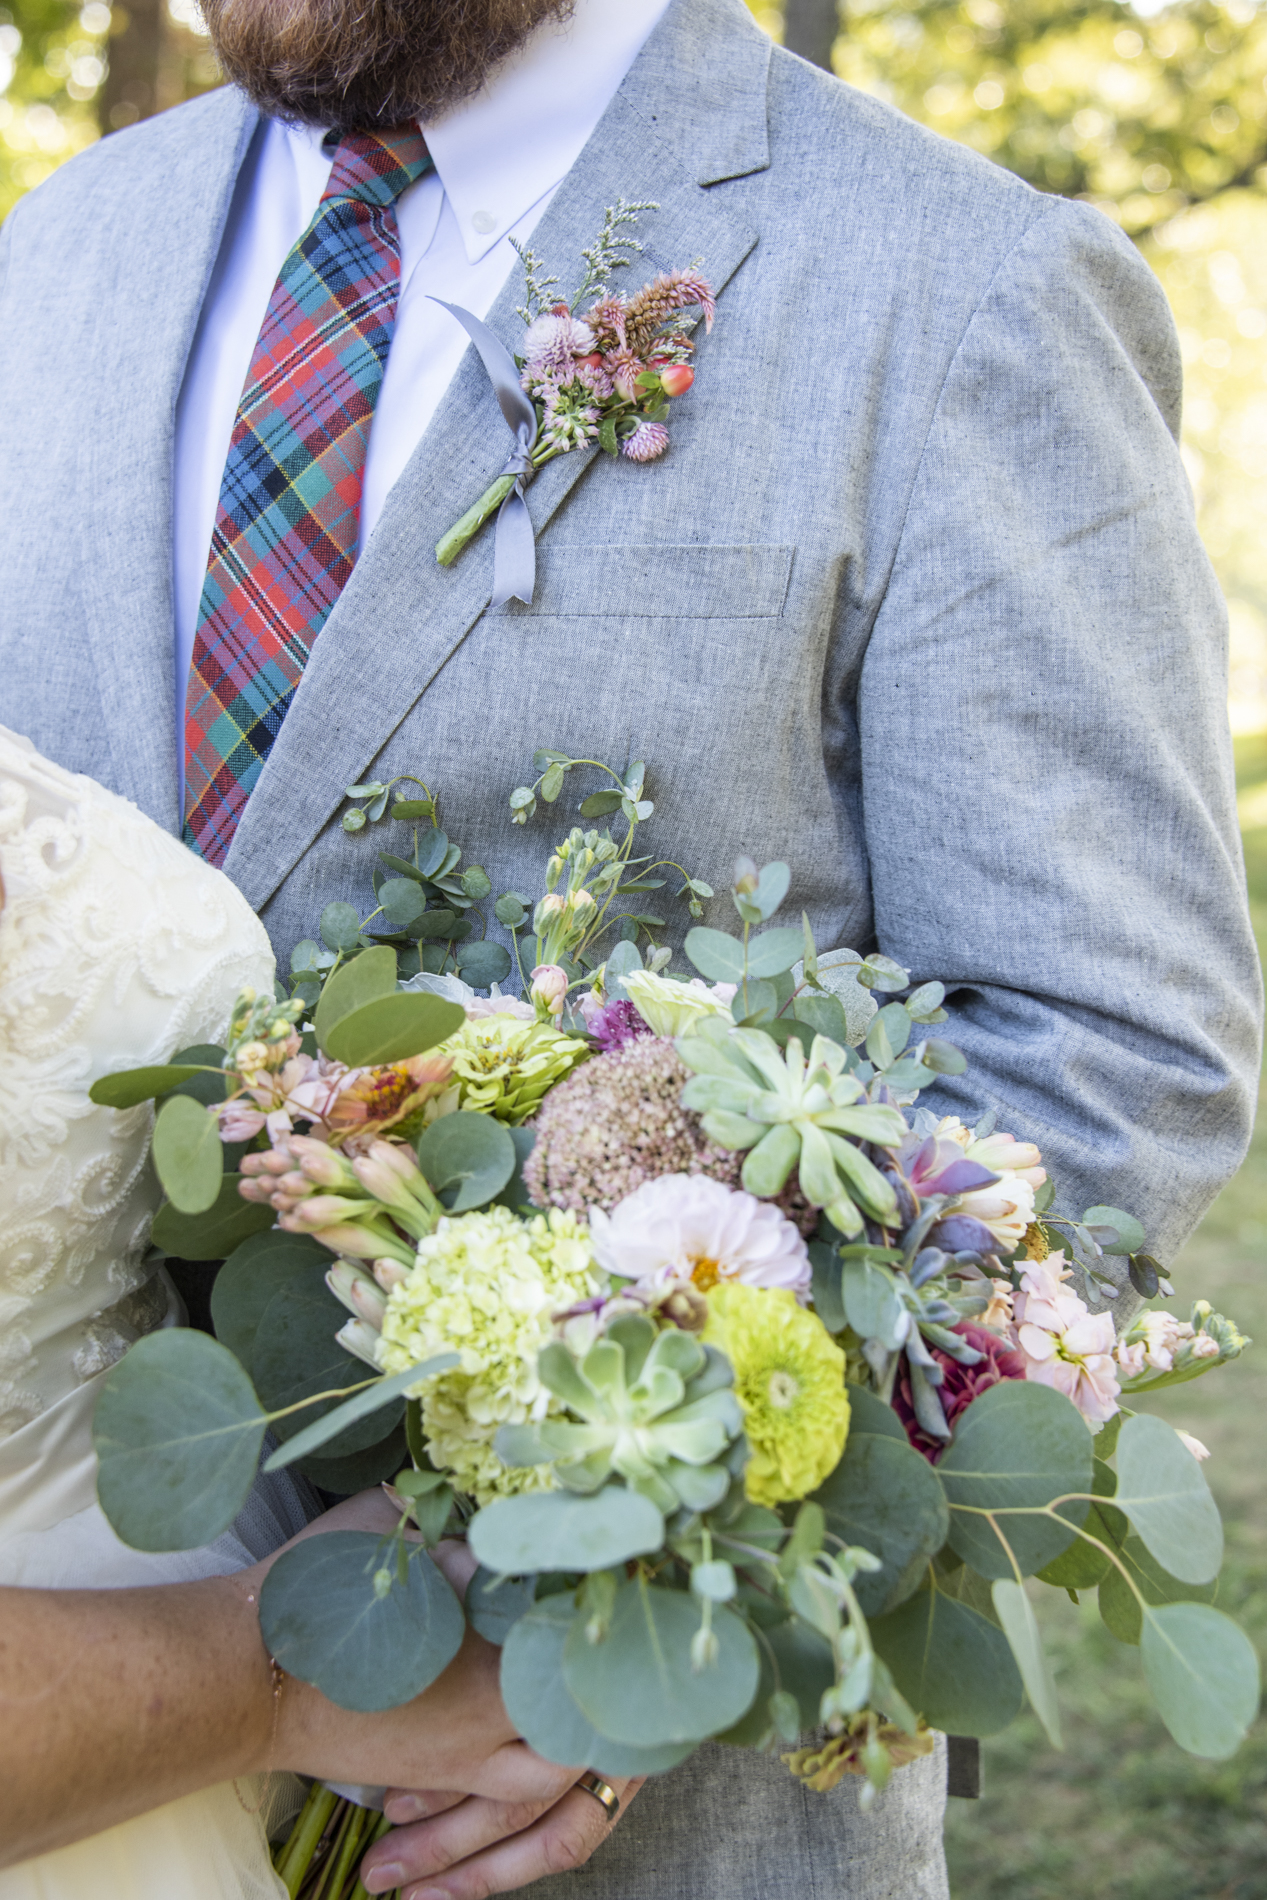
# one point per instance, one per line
(1122, 1812)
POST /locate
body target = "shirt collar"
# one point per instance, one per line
(500, 152)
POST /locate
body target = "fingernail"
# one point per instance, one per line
(383, 1877)
(407, 1807)
(429, 1893)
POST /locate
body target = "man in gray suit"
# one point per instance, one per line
(915, 600)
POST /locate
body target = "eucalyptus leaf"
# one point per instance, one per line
(638, 1685)
(510, 910)
(361, 1470)
(253, 1272)
(371, 975)
(770, 952)
(772, 888)
(538, 1703)
(211, 1236)
(495, 1604)
(1130, 1235)
(601, 804)
(869, 1413)
(515, 1194)
(622, 961)
(1020, 1445)
(885, 1497)
(1163, 1491)
(467, 1158)
(719, 956)
(952, 1664)
(403, 899)
(188, 1154)
(391, 1028)
(1082, 1566)
(1120, 1608)
(126, 1088)
(177, 1431)
(361, 1406)
(340, 926)
(826, 1286)
(210, 1084)
(1020, 1626)
(324, 1621)
(553, 1530)
(1204, 1675)
(483, 963)
(295, 1356)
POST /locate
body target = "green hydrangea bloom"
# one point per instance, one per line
(790, 1381)
(487, 1285)
(503, 1066)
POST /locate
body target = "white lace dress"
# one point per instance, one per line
(117, 947)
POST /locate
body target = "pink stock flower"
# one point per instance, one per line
(1063, 1344)
(648, 440)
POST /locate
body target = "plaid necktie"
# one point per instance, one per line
(288, 518)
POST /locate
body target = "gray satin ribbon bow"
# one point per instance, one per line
(514, 551)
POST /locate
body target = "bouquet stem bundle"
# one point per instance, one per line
(321, 1857)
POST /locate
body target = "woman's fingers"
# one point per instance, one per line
(512, 1773)
(562, 1837)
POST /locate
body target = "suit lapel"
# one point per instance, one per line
(691, 112)
(163, 256)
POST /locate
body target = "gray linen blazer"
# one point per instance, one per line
(915, 601)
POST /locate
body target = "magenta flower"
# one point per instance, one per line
(960, 1384)
(616, 1024)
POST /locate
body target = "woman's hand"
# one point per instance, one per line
(446, 1847)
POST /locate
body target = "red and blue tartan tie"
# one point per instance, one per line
(289, 513)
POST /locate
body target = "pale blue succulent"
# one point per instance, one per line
(656, 1408)
(792, 1112)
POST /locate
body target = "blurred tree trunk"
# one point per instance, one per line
(133, 85)
(810, 28)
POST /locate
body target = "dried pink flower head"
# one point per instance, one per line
(616, 1123)
(646, 310)
(648, 440)
(552, 343)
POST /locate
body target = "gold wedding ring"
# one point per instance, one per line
(603, 1792)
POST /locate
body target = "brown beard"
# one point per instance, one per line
(362, 63)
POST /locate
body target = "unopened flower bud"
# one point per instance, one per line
(550, 905)
(360, 1340)
(549, 988)
(325, 1167)
(252, 1055)
(354, 1288)
(580, 902)
(705, 1649)
(260, 1190)
(391, 1154)
(747, 876)
(1199, 1451)
(389, 1273)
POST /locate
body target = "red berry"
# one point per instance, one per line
(676, 380)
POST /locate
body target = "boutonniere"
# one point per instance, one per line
(599, 369)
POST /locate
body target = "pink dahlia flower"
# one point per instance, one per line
(689, 1228)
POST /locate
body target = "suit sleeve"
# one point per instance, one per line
(1047, 776)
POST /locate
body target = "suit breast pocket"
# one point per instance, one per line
(693, 581)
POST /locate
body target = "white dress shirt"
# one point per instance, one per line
(499, 158)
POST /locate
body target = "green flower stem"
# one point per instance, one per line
(292, 1865)
(450, 545)
(383, 1827)
(361, 1822)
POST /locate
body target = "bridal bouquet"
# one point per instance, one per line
(763, 1396)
